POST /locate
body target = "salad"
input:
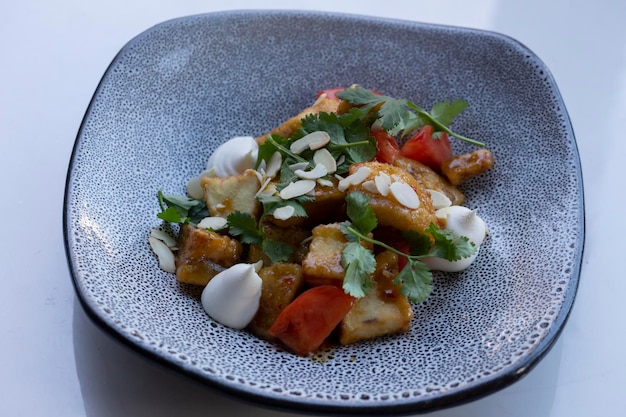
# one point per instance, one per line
(326, 230)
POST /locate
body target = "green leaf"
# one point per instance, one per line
(419, 243)
(181, 209)
(360, 213)
(276, 251)
(445, 112)
(449, 245)
(359, 263)
(171, 215)
(416, 280)
(401, 117)
(244, 226)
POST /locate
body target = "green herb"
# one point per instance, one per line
(350, 142)
(181, 209)
(415, 280)
(244, 226)
(400, 116)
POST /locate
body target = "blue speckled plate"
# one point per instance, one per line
(176, 91)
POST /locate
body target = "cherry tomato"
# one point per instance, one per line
(423, 148)
(330, 93)
(309, 319)
(388, 149)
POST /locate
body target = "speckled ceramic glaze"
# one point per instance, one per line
(178, 90)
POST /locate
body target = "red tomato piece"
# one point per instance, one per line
(309, 319)
(388, 149)
(330, 93)
(423, 148)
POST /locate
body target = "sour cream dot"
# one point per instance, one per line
(232, 296)
(465, 222)
(234, 157)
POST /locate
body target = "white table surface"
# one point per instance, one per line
(55, 362)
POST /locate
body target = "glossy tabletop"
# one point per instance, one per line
(55, 362)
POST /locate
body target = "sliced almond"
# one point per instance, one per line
(325, 183)
(383, 181)
(268, 189)
(439, 199)
(324, 157)
(318, 172)
(284, 213)
(164, 255)
(313, 141)
(163, 237)
(296, 189)
(263, 189)
(274, 164)
(194, 185)
(354, 179)
(405, 195)
(370, 186)
(213, 223)
(298, 165)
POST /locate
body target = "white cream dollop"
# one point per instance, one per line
(232, 296)
(465, 222)
(234, 156)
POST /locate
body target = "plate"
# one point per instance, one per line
(176, 91)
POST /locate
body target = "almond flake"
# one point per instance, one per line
(405, 194)
(163, 237)
(313, 141)
(284, 212)
(296, 189)
(164, 254)
(324, 157)
(354, 179)
(439, 199)
(370, 186)
(324, 183)
(318, 172)
(213, 223)
(274, 164)
(298, 165)
(383, 181)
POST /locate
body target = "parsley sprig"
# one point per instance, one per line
(401, 116)
(350, 142)
(181, 209)
(415, 279)
(248, 230)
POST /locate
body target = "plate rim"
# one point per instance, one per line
(479, 390)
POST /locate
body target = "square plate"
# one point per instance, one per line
(181, 88)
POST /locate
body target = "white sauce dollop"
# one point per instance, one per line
(234, 156)
(464, 222)
(232, 296)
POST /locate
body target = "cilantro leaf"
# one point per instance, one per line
(399, 116)
(419, 243)
(244, 225)
(359, 263)
(449, 245)
(416, 281)
(360, 212)
(445, 112)
(276, 251)
(181, 209)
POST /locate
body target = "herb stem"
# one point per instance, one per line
(286, 151)
(383, 244)
(424, 114)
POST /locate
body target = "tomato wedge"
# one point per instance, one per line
(330, 93)
(309, 319)
(388, 149)
(423, 148)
